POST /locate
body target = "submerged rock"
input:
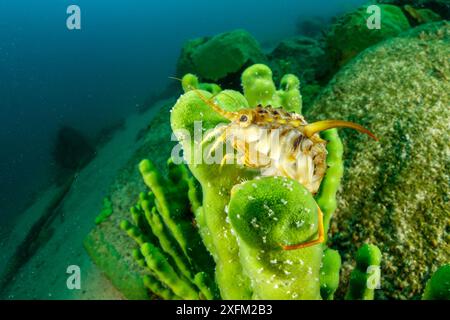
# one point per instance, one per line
(441, 7)
(395, 193)
(221, 58)
(350, 35)
(185, 63)
(421, 16)
(311, 26)
(72, 150)
(302, 56)
(305, 57)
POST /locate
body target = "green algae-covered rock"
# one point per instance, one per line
(115, 264)
(220, 56)
(305, 57)
(108, 246)
(302, 56)
(185, 64)
(441, 7)
(421, 16)
(350, 34)
(396, 193)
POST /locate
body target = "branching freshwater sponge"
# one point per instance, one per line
(365, 277)
(329, 273)
(259, 89)
(267, 214)
(190, 82)
(179, 267)
(107, 210)
(251, 252)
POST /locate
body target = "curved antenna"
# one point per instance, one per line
(315, 127)
(226, 114)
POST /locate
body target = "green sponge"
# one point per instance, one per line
(217, 184)
(190, 82)
(259, 89)
(269, 213)
(438, 287)
(107, 210)
(329, 273)
(365, 276)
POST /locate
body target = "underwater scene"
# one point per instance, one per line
(225, 150)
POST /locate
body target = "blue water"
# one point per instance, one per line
(93, 77)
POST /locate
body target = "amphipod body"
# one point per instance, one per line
(278, 143)
(272, 140)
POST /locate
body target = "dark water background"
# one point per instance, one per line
(94, 77)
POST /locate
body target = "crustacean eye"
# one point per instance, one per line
(245, 120)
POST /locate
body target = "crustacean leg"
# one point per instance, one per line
(319, 240)
(217, 143)
(213, 133)
(225, 159)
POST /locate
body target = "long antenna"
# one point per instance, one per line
(226, 114)
(312, 128)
